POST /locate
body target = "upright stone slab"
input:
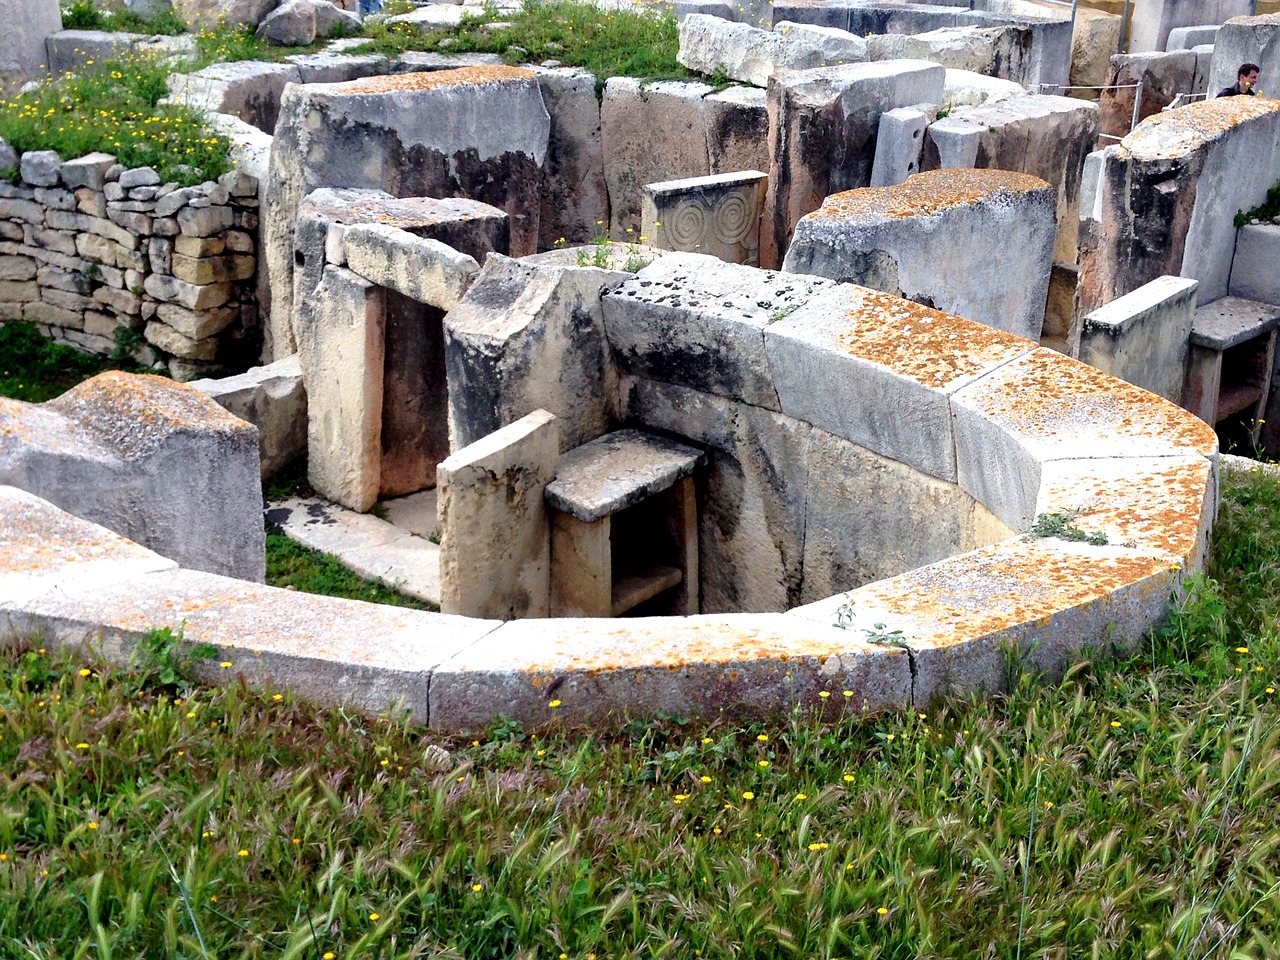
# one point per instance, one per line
(933, 240)
(480, 133)
(153, 460)
(495, 547)
(1047, 137)
(822, 135)
(1169, 195)
(1163, 77)
(737, 125)
(898, 145)
(1255, 271)
(22, 55)
(652, 132)
(1247, 40)
(341, 345)
(575, 199)
(1154, 19)
(1142, 337)
(530, 336)
(718, 215)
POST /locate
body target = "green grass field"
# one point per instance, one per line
(1126, 811)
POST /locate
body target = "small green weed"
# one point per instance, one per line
(161, 658)
(127, 341)
(1062, 526)
(1268, 211)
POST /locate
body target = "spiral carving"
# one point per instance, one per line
(687, 224)
(733, 218)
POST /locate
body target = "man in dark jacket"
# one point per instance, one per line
(1246, 82)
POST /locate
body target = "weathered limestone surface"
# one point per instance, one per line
(931, 240)
(79, 50)
(1096, 38)
(248, 89)
(742, 666)
(1142, 337)
(575, 199)
(1169, 195)
(899, 144)
(480, 132)
(273, 399)
(966, 89)
(1154, 19)
(1047, 137)
(151, 459)
(495, 550)
(291, 24)
(1247, 40)
(424, 270)
(737, 128)
(1004, 435)
(709, 45)
(1003, 52)
(1254, 273)
(822, 135)
(529, 336)
(752, 502)
(717, 215)
(22, 54)
(695, 321)
(213, 13)
(341, 348)
(1163, 77)
(652, 132)
(1188, 38)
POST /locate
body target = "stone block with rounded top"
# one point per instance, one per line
(710, 45)
(880, 371)
(148, 458)
(930, 239)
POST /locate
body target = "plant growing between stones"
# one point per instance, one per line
(879, 634)
(163, 658)
(1266, 212)
(1062, 527)
(127, 341)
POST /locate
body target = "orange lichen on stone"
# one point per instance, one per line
(1154, 505)
(434, 80)
(1179, 132)
(927, 194)
(1046, 394)
(36, 537)
(1006, 586)
(929, 346)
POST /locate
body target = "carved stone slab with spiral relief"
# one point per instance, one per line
(718, 215)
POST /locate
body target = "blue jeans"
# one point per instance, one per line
(370, 6)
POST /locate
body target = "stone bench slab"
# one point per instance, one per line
(608, 475)
(1232, 321)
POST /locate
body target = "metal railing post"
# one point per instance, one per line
(1137, 105)
(1124, 27)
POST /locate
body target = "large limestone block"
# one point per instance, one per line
(211, 14)
(1096, 38)
(1047, 137)
(1044, 407)
(1247, 40)
(1253, 271)
(1154, 19)
(530, 336)
(1142, 337)
(1163, 77)
(575, 199)
(711, 46)
(292, 24)
(424, 270)
(273, 399)
(718, 215)
(479, 133)
(652, 132)
(880, 371)
(751, 519)
(342, 351)
(737, 127)
(22, 54)
(750, 665)
(966, 89)
(1003, 52)
(822, 135)
(495, 551)
(1169, 195)
(692, 320)
(868, 518)
(153, 460)
(931, 240)
(247, 89)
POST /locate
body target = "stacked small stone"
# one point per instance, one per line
(88, 247)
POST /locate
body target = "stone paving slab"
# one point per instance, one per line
(331, 651)
(738, 664)
(371, 547)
